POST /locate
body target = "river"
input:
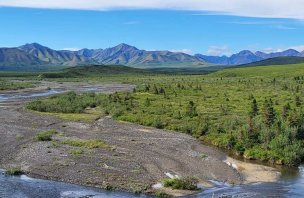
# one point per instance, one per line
(290, 185)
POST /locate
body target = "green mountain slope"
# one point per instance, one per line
(95, 70)
(276, 61)
(14, 59)
(54, 57)
(270, 72)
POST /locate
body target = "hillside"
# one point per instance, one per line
(267, 72)
(276, 61)
(14, 58)
(95, 70)
(53, 57)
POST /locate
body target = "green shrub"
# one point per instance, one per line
(45, 135)
(66, 103)
(14, 171)
(157, 123)
(187, 183)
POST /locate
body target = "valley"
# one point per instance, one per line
(94, 142)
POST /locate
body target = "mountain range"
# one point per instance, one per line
(246, 56)
(35, 56)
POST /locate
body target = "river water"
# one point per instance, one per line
(291, 183)
(26, 187)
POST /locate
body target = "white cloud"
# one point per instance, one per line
(186, 51)
(71, 49)
(219, 50)
(257, 8)
(299, 48)
(284, 27)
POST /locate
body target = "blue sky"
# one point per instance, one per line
(191, 31)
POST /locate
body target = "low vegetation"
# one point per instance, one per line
(10, 85)
(256, 112)
(66, 103)
(76, 152)
(187, 183)
(86, 143)
(45, 135)
(161, 194)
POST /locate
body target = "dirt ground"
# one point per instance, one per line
(137, 157)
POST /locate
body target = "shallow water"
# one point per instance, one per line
(291, 184)
(26, 187)
(9, 97)
(16, 96)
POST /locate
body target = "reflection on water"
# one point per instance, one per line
(25, 187)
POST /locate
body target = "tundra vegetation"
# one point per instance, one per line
(11, 85)
(45, 135)
(256, 112)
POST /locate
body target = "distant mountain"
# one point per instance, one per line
(35, 55)
(283, 60)
(54, 57)
(124, 54)
(13, 58)
(246, 56)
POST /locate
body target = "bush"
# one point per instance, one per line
(45, 135)
(14, 171)
(66, 103)
(157, 123)
(187, 183)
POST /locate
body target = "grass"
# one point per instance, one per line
(76, 152)
(45, 135)
(187, 183)
(88, 116)
(90, 144)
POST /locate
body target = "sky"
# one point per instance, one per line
(192, 26)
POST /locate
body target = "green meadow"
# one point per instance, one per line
(255, 112)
